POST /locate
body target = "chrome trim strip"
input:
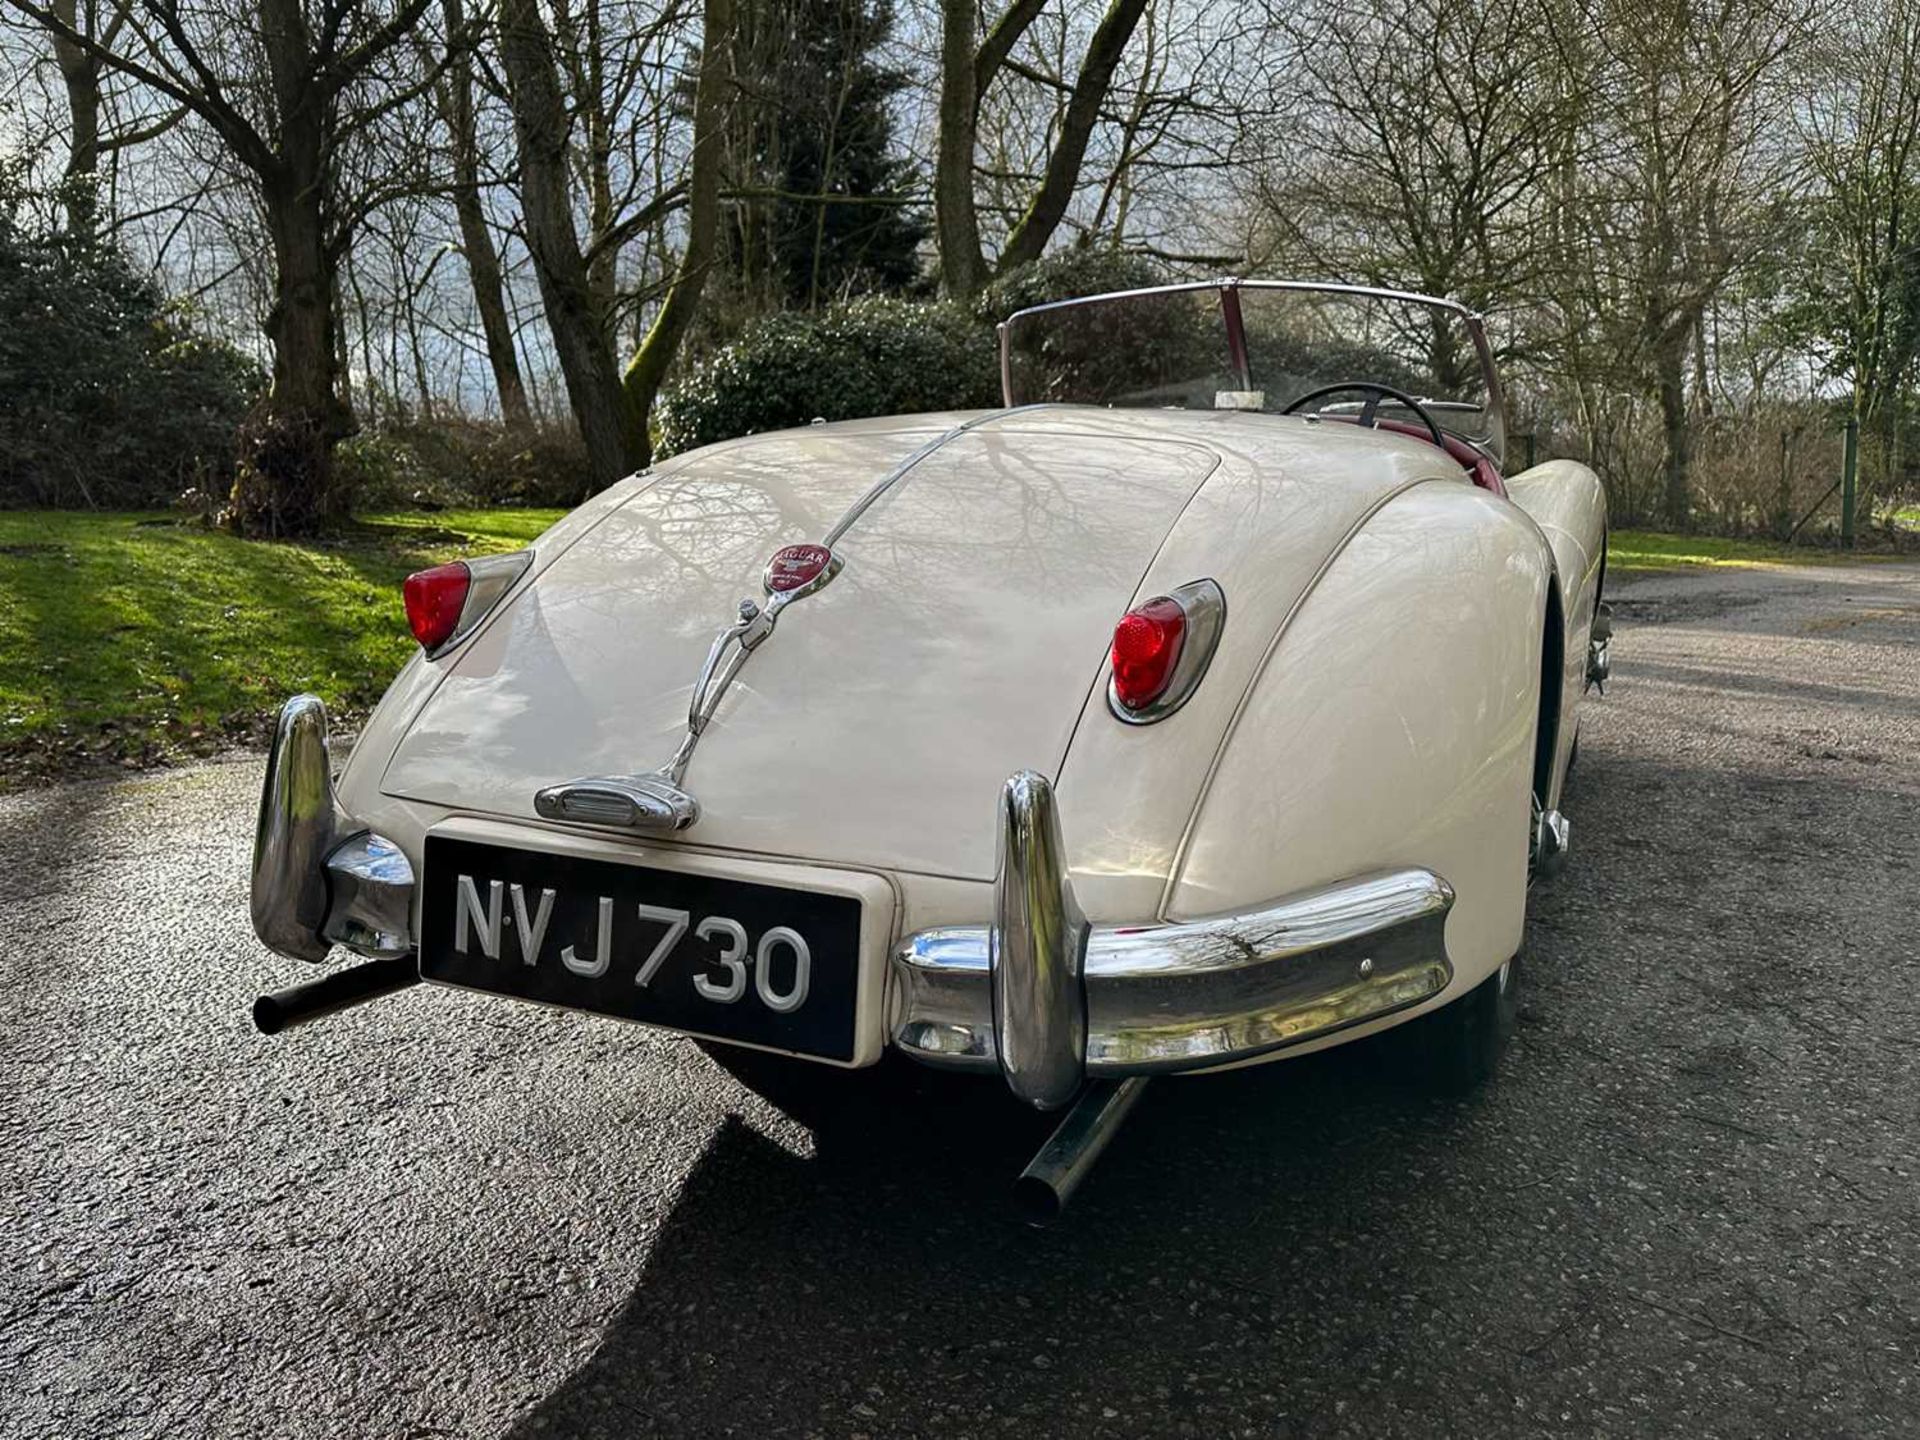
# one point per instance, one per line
(900, 471)
(1198, 994)
(1205, 606)
(1035, 950)
(294, 833)
(369, 897)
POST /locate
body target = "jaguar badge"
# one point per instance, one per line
(799, 568)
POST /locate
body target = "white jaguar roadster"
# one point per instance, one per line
(1207, 705)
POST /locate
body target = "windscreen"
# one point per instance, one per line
(1175, 348)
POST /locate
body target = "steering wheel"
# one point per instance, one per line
(1375, 394)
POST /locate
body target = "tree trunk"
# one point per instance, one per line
(1670, 368)
(650, 362)
(284, 484)
(962, 267)
(1453, 374)
(580, 339)
(1029, 238)
(476, 236)
(284, 481)
(80, 74)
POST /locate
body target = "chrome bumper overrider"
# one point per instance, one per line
(1052, 1001)
(312, 888)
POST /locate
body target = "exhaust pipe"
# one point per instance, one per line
(343, 989)
(1045, 1186)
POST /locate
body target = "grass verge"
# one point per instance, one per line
(130, 639)
(1631, 552)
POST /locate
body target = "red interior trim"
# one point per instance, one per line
(1483, 471)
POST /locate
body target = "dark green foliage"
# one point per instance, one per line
(867, 357)
(441, 463)
(1287, 362)
(896, 357)
(819, 123)
(107, 396)
(1065, 276)
(1168, 349)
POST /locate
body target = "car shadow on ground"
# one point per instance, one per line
(909, 1299)
(1644, 1197)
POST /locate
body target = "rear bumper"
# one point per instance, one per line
(1051, 1001)
(1039, 993)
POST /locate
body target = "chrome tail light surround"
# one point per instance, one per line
(1204, 604)
(489, 578)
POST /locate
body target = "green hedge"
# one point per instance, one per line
(1065, 276)
(872, 357)
(869, 357)
(455, 462)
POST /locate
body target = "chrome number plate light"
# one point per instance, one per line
(657, 801)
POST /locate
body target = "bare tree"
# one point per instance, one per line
(1683, 195)
(576, 322)
(1431, 125)
(283, 92)
(1860, 124)
(648, 368)
(578, 281)
(80, 77)
(455, 94)
(969, 65)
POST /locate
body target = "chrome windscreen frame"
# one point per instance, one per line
(1229, 289)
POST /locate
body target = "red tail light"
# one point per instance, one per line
(1146, 647)
(435, 599)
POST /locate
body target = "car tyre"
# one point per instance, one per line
(1459, 1045)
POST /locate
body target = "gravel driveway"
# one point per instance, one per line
(1687, 1207)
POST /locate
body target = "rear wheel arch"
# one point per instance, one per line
(1393, 724)
(1553, 652)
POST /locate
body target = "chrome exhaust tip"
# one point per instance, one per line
(1552, 839)
(281, 1010)
(1041, 1193)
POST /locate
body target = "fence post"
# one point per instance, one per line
(1849, 476)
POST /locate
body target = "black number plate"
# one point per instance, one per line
(725, 958)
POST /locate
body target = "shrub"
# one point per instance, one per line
(1065, 276)
(868, 357)
(108, 397)
(874, 357)
(453, 462)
